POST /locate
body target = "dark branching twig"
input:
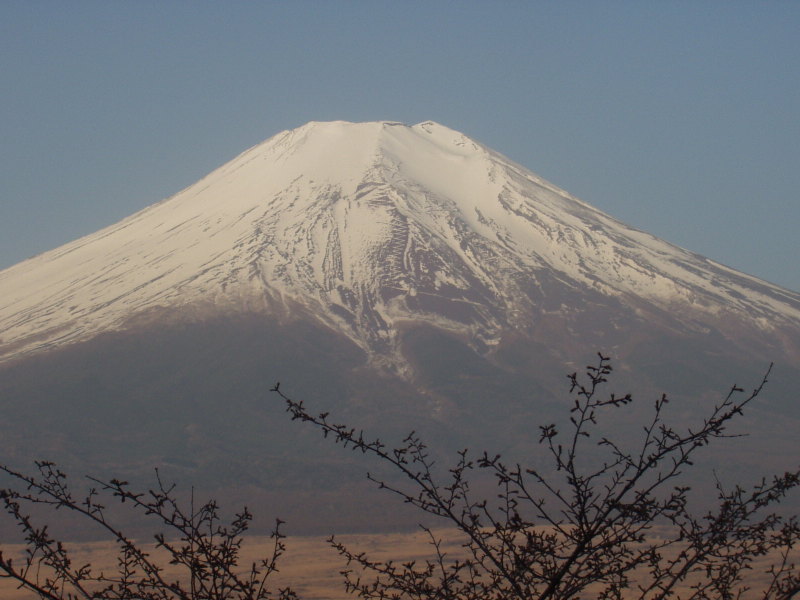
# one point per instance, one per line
(584, 529)
(206, 550)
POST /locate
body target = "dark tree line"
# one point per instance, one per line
(610, 520)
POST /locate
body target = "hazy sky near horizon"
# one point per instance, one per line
(679, 118)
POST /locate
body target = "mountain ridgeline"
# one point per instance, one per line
(400, 277)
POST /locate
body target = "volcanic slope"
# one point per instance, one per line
(367, 226)
(400, 277)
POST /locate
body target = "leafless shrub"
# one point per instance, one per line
(587, 529)
(204, 549)
(593, 526)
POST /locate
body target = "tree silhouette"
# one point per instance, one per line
(204, 550)
(608, 522)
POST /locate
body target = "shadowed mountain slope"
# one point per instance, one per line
(401, 277)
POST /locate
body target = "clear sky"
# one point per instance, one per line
(679, 118)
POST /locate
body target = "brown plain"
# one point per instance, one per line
(310, 566)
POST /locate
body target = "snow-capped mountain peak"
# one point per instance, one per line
(366, 226)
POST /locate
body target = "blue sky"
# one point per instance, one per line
(680, 118)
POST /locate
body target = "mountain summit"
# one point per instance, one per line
(366, 227)
(403, 278)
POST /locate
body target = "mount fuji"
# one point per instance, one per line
(403, 274)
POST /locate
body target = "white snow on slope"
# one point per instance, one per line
(365, 225)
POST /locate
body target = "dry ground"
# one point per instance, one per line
(310, 566)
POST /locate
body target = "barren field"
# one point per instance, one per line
(310, 566)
